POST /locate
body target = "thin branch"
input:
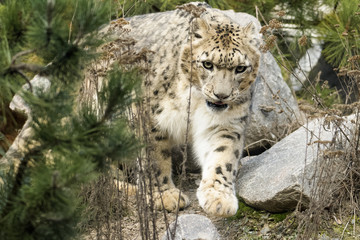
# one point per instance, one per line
(259, 142)
(26, 79)
(23, 66)
(343, 232)
(26, 67)
(71, 23)
(17, 68)
(20, 54)
(19, 177)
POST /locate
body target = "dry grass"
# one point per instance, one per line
(330, 213)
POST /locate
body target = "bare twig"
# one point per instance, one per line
(72, 20)
(19, 178)
(343, 232)
(20, 54)
(26, 79)
(17, 68)
(259, 141)
(26, 67)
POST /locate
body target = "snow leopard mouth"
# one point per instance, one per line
(219, 106)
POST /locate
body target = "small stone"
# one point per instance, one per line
(265, 229)
(192, 227)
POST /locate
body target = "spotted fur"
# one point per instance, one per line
(212, 62)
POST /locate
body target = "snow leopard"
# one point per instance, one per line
(198, 89)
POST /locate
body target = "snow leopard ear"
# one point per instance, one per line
(199, 28)
(250, 29)
(252, 34)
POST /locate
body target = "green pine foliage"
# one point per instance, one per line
(72, 145)
(13, 21)
(328, 96)
(249, 6)
(73, 149)
(14, 18)
(137, 7)
(340, 31)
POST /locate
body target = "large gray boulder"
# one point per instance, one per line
(274, 110)
(295, 168)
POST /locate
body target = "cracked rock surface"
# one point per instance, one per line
(276, 179)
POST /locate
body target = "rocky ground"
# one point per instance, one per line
(247, 224)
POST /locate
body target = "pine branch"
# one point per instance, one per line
(19, 67)
(19, 178)
(20, 54)
(26, 79)
(25, 66)
(49, 17)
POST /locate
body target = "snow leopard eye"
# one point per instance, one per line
(208, 65)
(197, 35)
(240, 69)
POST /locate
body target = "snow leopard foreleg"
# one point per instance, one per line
(221, 152)
(165, 194)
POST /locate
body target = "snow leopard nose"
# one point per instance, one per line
(221, 96)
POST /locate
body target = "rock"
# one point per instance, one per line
(274, 110)
(21, 143)
(265, 229)
(192, 227)
(325, 237)
(38, 84)
(277, 179)
(347, 89)
(300, 75)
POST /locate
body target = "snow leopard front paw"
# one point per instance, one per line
(171, 200)
(217, 199)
